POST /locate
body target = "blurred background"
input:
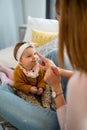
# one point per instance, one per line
(14, 13)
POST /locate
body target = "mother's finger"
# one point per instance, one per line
(41, 56)
(55, 70)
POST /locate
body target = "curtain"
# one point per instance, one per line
(50, 9)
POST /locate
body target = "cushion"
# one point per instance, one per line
(48, 47)
(47, 25)
(7, 58)
(41, 37)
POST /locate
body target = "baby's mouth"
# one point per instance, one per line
(35, 61)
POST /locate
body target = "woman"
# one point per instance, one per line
(73, 38)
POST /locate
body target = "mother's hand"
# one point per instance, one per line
(45, 62)
(52, 76)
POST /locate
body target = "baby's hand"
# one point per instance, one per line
(33, 90)
(39, 91)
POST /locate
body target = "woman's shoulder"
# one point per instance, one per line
(77, 84)
(76, 99)
(78, 78)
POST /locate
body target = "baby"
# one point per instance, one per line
(28, 76)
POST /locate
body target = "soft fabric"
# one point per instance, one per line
(8, 71)
(41, 37)
(47, 25)
(44, 100)
(24, 83)
(48, 47)
(7, 58)
(23, 115)
(31, 73)
(4, 79)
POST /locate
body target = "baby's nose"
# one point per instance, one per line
(33, 56)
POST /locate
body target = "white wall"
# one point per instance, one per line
(34, 8)
(14, 13)
(10, 19)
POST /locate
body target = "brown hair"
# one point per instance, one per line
(57, 6)
(17, 47)
(73, 33)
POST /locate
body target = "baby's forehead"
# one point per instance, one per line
(29, 49)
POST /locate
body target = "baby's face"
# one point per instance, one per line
(29, 58)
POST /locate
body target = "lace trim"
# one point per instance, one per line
(32, 73)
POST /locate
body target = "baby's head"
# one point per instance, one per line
(25, 54)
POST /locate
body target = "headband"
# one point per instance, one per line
(22, 48)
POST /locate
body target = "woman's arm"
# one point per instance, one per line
(52, 77)
(66, 73)
(60, 106)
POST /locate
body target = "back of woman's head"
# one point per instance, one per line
(57, 6)
(73, 32)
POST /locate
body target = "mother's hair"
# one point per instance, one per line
(73, 33)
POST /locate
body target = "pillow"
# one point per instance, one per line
(47, 25)
(7, 58)
(48, 47)
(40, 37)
